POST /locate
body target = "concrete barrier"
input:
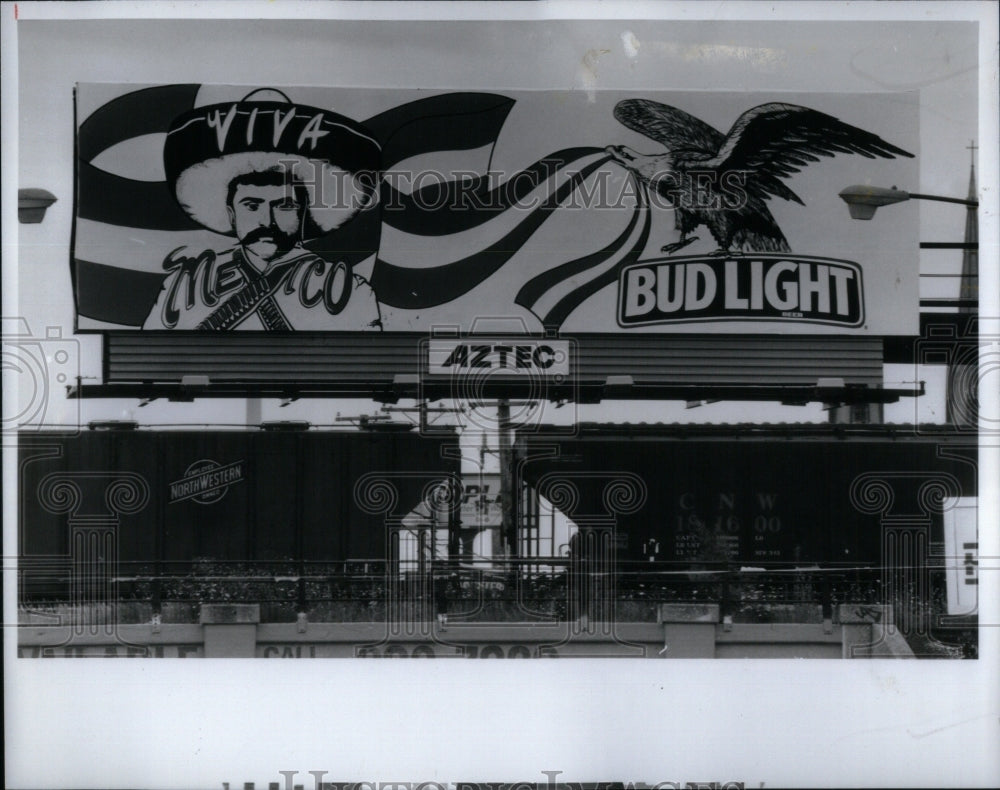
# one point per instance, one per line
(230, 630)
(681, 631)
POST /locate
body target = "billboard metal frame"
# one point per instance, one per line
(586, 392)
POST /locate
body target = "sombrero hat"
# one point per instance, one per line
(335, 158)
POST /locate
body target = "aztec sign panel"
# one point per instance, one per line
(223, 208)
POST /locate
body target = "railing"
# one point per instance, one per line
(550, 586)
(540, 589)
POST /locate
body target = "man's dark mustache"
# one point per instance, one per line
(271, 234)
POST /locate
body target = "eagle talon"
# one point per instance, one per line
(670, 249)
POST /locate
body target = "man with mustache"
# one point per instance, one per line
(270, 281)
(274, 176)
(266, 215)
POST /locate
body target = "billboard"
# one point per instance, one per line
(208, 208)
(961, 546)
(481, 503)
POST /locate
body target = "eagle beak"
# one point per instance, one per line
(620, 154)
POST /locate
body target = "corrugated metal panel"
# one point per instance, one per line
(936, 434)
(298, 357)
(364, 357)
(732, 359)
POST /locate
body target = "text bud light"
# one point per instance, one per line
(757, 287)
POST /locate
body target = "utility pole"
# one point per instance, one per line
(508, 520)
(254, 412)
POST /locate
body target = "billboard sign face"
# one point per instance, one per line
(232, 208)
(481, 504)
(961, 548)
(498, 356)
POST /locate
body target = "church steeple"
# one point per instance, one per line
(962, 396)
(969, 284)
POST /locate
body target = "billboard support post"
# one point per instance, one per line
(508, 521)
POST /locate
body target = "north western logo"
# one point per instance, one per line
(206, 481)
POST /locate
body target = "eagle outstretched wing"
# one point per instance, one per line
(670, 127)
(773, 141)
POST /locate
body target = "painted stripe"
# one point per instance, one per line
(419, 170)
(455, 206)
(415, 288)
(412, 251)
(105, 197)
(140, 112)
(140, 249)
(115, 295)
(451, 121)
(551, 293)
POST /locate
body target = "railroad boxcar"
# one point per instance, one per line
(760, 496)
(176, 496)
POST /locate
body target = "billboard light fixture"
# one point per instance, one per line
(862, 199)
(286, 425)
(112, 425)
(32, 204)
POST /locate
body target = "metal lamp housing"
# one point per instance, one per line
(863, 200)
(31, 205)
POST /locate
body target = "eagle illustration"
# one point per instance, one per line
(723, 181)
